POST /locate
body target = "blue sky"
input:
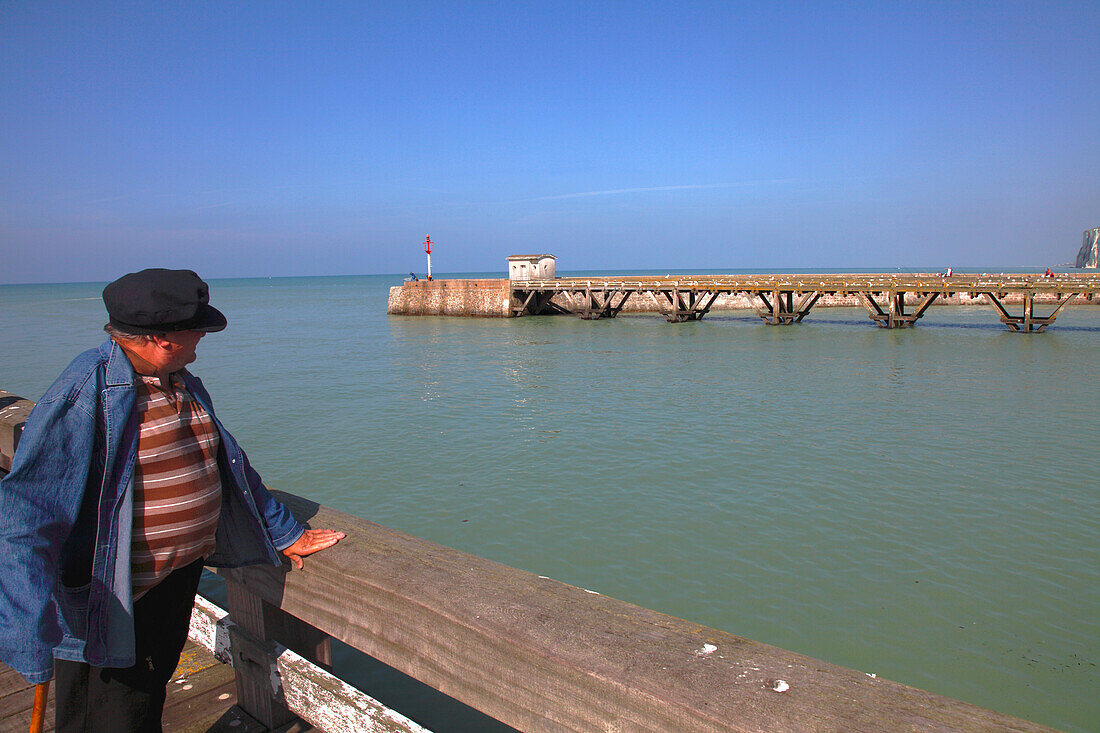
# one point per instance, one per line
(279, 138)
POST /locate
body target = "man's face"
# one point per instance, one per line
(178, 348)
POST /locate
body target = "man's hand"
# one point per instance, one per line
(310, 542)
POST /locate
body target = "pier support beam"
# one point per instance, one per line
(686, 305)
(781, 310)
(534, 303)
(593, 304)
(1028, 322)
(601, 304)
(254, 658)
(895, 316)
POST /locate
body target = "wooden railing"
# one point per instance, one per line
(534, 653)
(1085, 283)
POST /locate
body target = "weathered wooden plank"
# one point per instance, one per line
(194, 696)
(10, 682)
(541, 655)
(17, 719)
(15, 705)
(335, 706)
(199, 693)
(236, 720)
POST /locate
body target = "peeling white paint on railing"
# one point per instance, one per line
(311, 693)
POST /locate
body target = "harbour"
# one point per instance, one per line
(918, 503)
(728, 368)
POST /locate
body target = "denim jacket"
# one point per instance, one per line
(66, 517)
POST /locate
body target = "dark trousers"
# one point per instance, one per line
(132, 699)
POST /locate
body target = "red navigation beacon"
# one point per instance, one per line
(428, 249)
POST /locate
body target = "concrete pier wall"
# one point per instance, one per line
(482, 298)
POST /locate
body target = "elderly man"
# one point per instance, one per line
(124, 485)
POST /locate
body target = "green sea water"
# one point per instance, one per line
(919, 504)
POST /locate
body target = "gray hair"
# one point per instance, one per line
(133, 338)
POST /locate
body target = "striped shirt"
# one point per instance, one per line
(177, 487)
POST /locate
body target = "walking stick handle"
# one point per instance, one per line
(38, 712)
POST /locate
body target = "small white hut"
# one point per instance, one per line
(531, 267)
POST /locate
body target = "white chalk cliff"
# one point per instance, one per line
(1089, 256)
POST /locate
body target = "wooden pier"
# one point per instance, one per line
(201, 698)
(892, 301)
(533, 653)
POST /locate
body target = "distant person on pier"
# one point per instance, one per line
(124, 485)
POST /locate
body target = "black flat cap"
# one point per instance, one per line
(161, 301)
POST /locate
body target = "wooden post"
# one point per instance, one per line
(312, 692)
(259, 692)
(897, 308)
